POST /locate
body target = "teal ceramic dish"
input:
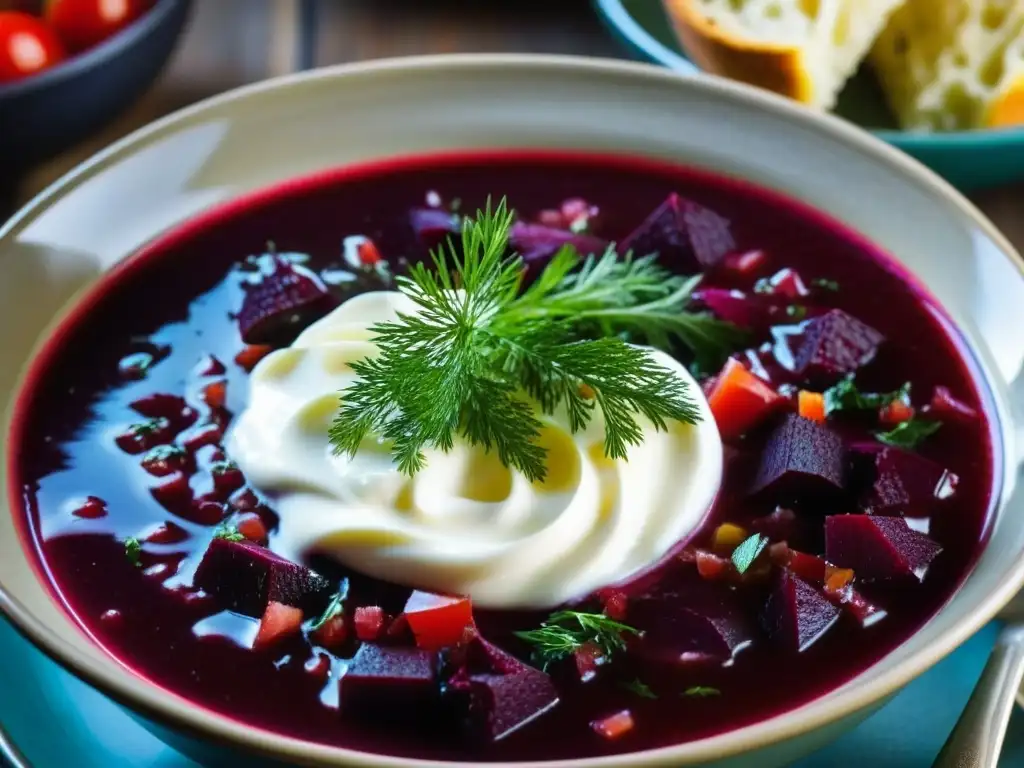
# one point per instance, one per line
(968, 159)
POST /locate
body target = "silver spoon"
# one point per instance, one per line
(977, 738)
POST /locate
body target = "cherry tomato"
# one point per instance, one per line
(27, 46)
(82, 24)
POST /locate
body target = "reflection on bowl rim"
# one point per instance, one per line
(628, 30)
(82, 62)
(166, 707)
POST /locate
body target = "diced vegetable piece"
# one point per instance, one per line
(165, 460)
(146, 435)
(252, 527)
(244, 577)
(727, 537)
(536, 242)
(780, 525)
(711, 566)
(835, 344)
(689, 622)
(797, 614)
(740, 400)
(166, 533)
(369, 622)
(808, 567)
(204, 512)
(279, 621)
(855, 604)
(907, 483)
(686, 236)
(588, 657)
(173, 491)
(787, 282)
(504, 694)
(282, 303)
(333, 633)
(801, 460)
(878, 548)
(251, 354)
(894, 413)
(437, 621)
(91, 508)
(202, 436)
(616, 604)
(947, 407)
(614, 726)
(215, 394)
(164, 406)
(837, 579)
(390, 682)
(748, 263)
(738, 308)
(811, 405)
(432, 226)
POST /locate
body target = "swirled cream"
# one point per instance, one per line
(465, 524)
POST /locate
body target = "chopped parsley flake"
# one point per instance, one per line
(133, 551)
(746, 553)
(909, 434)
(701, 692)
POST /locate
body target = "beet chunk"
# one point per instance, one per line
(283, 302)
(833, 345)
(907, 483)
(801, 460)
(433, 226)
(536, 242)
(390, 682)
(878, 547)
(797, 614)
(502, 694)
(686, 236)
(687, 622)
(245, 577)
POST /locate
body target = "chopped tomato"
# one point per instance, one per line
(811, 405)
(215, 394)
(27, 46)
(82, 24)
(279, 621)
(748, 263)
(787, 282)
(252, 527)
(710, 566)
(727, 537)
(332, 633)
(437, 621)
(369, 622)
(251, 355)
(616, 603)
(895, 413)
(319, 666)
(588, 657)
(739, 400)
(779, 553)
(614, 726)
(944, 405)
(368, 252)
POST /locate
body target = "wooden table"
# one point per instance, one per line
(234, 42)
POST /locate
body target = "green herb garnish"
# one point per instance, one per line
(747, 552)
(701, 692)
(825, 284)
(640, 688)
(796, 311)
(133, 551)
(845, 396)
(566, 631)
(479, 350)
(910, 433)
(335, 606)
(227, 532)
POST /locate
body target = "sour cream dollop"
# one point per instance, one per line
(465, 524)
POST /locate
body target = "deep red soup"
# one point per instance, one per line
(850, 546)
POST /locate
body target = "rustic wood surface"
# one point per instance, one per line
(234, 42)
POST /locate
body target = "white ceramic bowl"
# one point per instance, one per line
(256, 136)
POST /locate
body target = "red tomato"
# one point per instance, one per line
(27, 46)
(437, 621)
(82, 24)
(279, 621)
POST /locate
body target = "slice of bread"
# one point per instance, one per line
(954, 64)
(804, 49)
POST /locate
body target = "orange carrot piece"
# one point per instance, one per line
(811, 405)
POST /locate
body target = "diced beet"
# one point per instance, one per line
(616, 604)
(801, 460)
(686, 236)
(167, 533)
(536, 242)
(164, 406)
(227, 478)
(135, 367)
(738, 308)
(145, 435)
(245, 577)
(688, 622)
(835, 344)
(432, 226)
(877, 547)
(907, 483)
(201, 436)
(780, 525)
(588, 658)
(205, 512)
(209, 365)
(787, 282)
(278, 623)
(808, 567)
(797, 614)
(282, 303)
(164, 460)
(947, 407)
(173, 492)
(244, 500)
(251, 354)
(747, 264)
(333, 633)
(390, 682)
(856, 605)
(503, 693)
(90, 508)
(369, 622)
(318, 666)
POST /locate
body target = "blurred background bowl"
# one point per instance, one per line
(46, 113)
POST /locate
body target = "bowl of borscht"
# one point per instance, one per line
(506, 409)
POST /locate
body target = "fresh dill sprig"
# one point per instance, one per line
(566, 631)
(480, 356)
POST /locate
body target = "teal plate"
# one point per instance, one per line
(55, 720)
(968, 159)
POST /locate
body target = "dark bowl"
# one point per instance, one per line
(43, 115)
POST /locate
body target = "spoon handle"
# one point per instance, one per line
(977, 739)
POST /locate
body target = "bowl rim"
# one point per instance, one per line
(627, 30)
(108, 49)
(166, 708)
